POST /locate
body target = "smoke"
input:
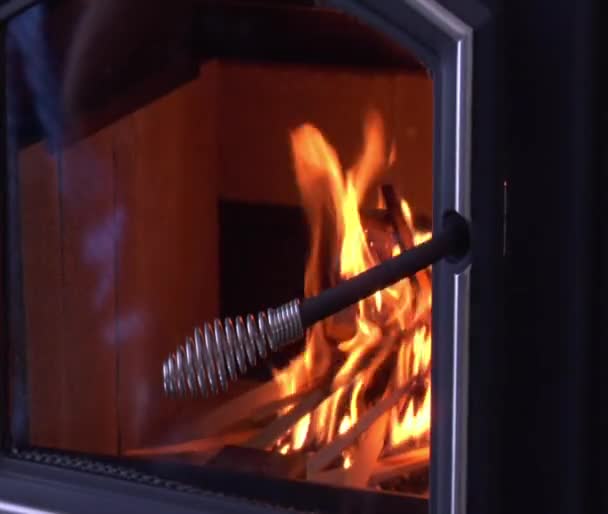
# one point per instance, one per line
(126, 327)
(84, 185)
(99, 251)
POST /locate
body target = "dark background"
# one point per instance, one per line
(555, 332)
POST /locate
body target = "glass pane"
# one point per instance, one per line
(202, 162)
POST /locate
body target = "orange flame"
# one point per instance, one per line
(392, 333)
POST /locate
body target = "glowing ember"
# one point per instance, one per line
(392, 329)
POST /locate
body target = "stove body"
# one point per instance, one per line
(514, 358)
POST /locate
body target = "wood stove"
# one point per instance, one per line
(170, 168)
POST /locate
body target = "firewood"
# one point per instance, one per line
(336, 476)
(380, 378)
(307, 401)
(403, 232)
(366, 453)
(208, 444)
(238, 458)
(381, 471)
(341, 326)
(405, 236)
(369, 362)
(310, 401)
(400, 465)
(282, 424)
(380, 238)
(240, 408)
(364, 460)
(270, 409)
(407, 446)
(327, 454)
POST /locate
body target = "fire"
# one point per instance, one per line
(390, 340)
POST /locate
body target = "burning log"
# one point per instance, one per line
(369, 362)
(404, 234)
(282, 424)
(380, 377)
(257, 403)
(375, 473)
(400, 465)
(315, 396)
(327, 454)
(366, 453)
(341, 326)
(260, 462)
(231, 415)
(271, 409)
(240, 408)
(410, 445)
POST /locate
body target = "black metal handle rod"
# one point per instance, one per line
(208, 360)
(452, 241)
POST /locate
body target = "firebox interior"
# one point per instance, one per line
(219, 197)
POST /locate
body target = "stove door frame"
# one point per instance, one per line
(456, 44)
(447, 42)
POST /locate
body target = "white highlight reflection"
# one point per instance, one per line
(14, 508)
